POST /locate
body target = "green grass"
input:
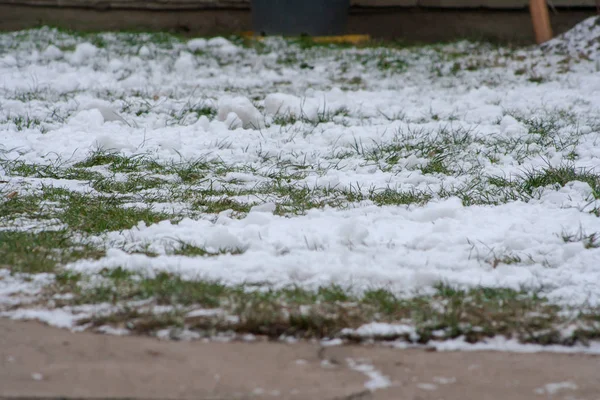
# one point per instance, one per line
(36, 252)
(391, 197)
(561, 176)
(54, 170)
(115, 162)
(589, 240)
(94, 215)
(327, 311)
(190, 250)
(80, 212)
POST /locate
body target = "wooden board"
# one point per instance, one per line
(541, 20)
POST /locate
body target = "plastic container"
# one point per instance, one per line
(300, 17)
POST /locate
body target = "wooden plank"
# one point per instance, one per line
(541, 20)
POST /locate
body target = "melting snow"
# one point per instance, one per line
(83, 98)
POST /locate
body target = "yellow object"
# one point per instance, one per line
(351, 39)
(341, 39)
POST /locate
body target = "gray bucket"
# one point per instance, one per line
(300, 17)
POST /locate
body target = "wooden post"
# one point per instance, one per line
(541, 20)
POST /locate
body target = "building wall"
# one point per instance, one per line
(243, 4)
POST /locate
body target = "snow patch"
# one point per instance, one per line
(84, 53)
(231, 107)
(553, 388)
(376, 379)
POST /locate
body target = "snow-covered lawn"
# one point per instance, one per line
(287, 188)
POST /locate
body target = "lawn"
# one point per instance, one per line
(151, 184)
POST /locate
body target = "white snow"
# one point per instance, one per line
(331, 342)
(197, 44)
(52, 52)
(500, 343)
(57, 317)
(376, 379)
(427, 386)
(552, 388)
(283, 111)
(36, 376)
(442, 380)
(380, 330)
(84, 53)
(406, 249)
(242, 108)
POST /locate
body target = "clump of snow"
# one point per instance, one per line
(36, 376)
(87, 118)
(185, 63)
(8, 60)
(242, 108)
(331, 342)
(376, 379)
(222, 45)
(281, 104)
(442, 380)
(379, 330)
(500, 343)
(427, 386)
(110, 330)
(197, 44)
(554, 387)
(57, 317)
(83, 54)
(52, 52)
(266, 207)
(144, 51)
(108, 114)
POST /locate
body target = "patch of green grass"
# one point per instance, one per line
(436, 165)
(29, 252)
(390, 197)
(98, 214)
(134, 183)
(474, 314)
(297, 200)
(190, 250)
(115, 162)
(589, 240)
(20, 206)
(214, 206)
(54, 171)
(450, 312)
(197, 110)
(169, 289)
(323, 116)
(535, 78)
(190, 172)
(25, 122)
(561, 176)
(389, 62)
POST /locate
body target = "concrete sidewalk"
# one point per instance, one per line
(37, 361)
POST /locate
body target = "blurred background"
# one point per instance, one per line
(406, 20)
